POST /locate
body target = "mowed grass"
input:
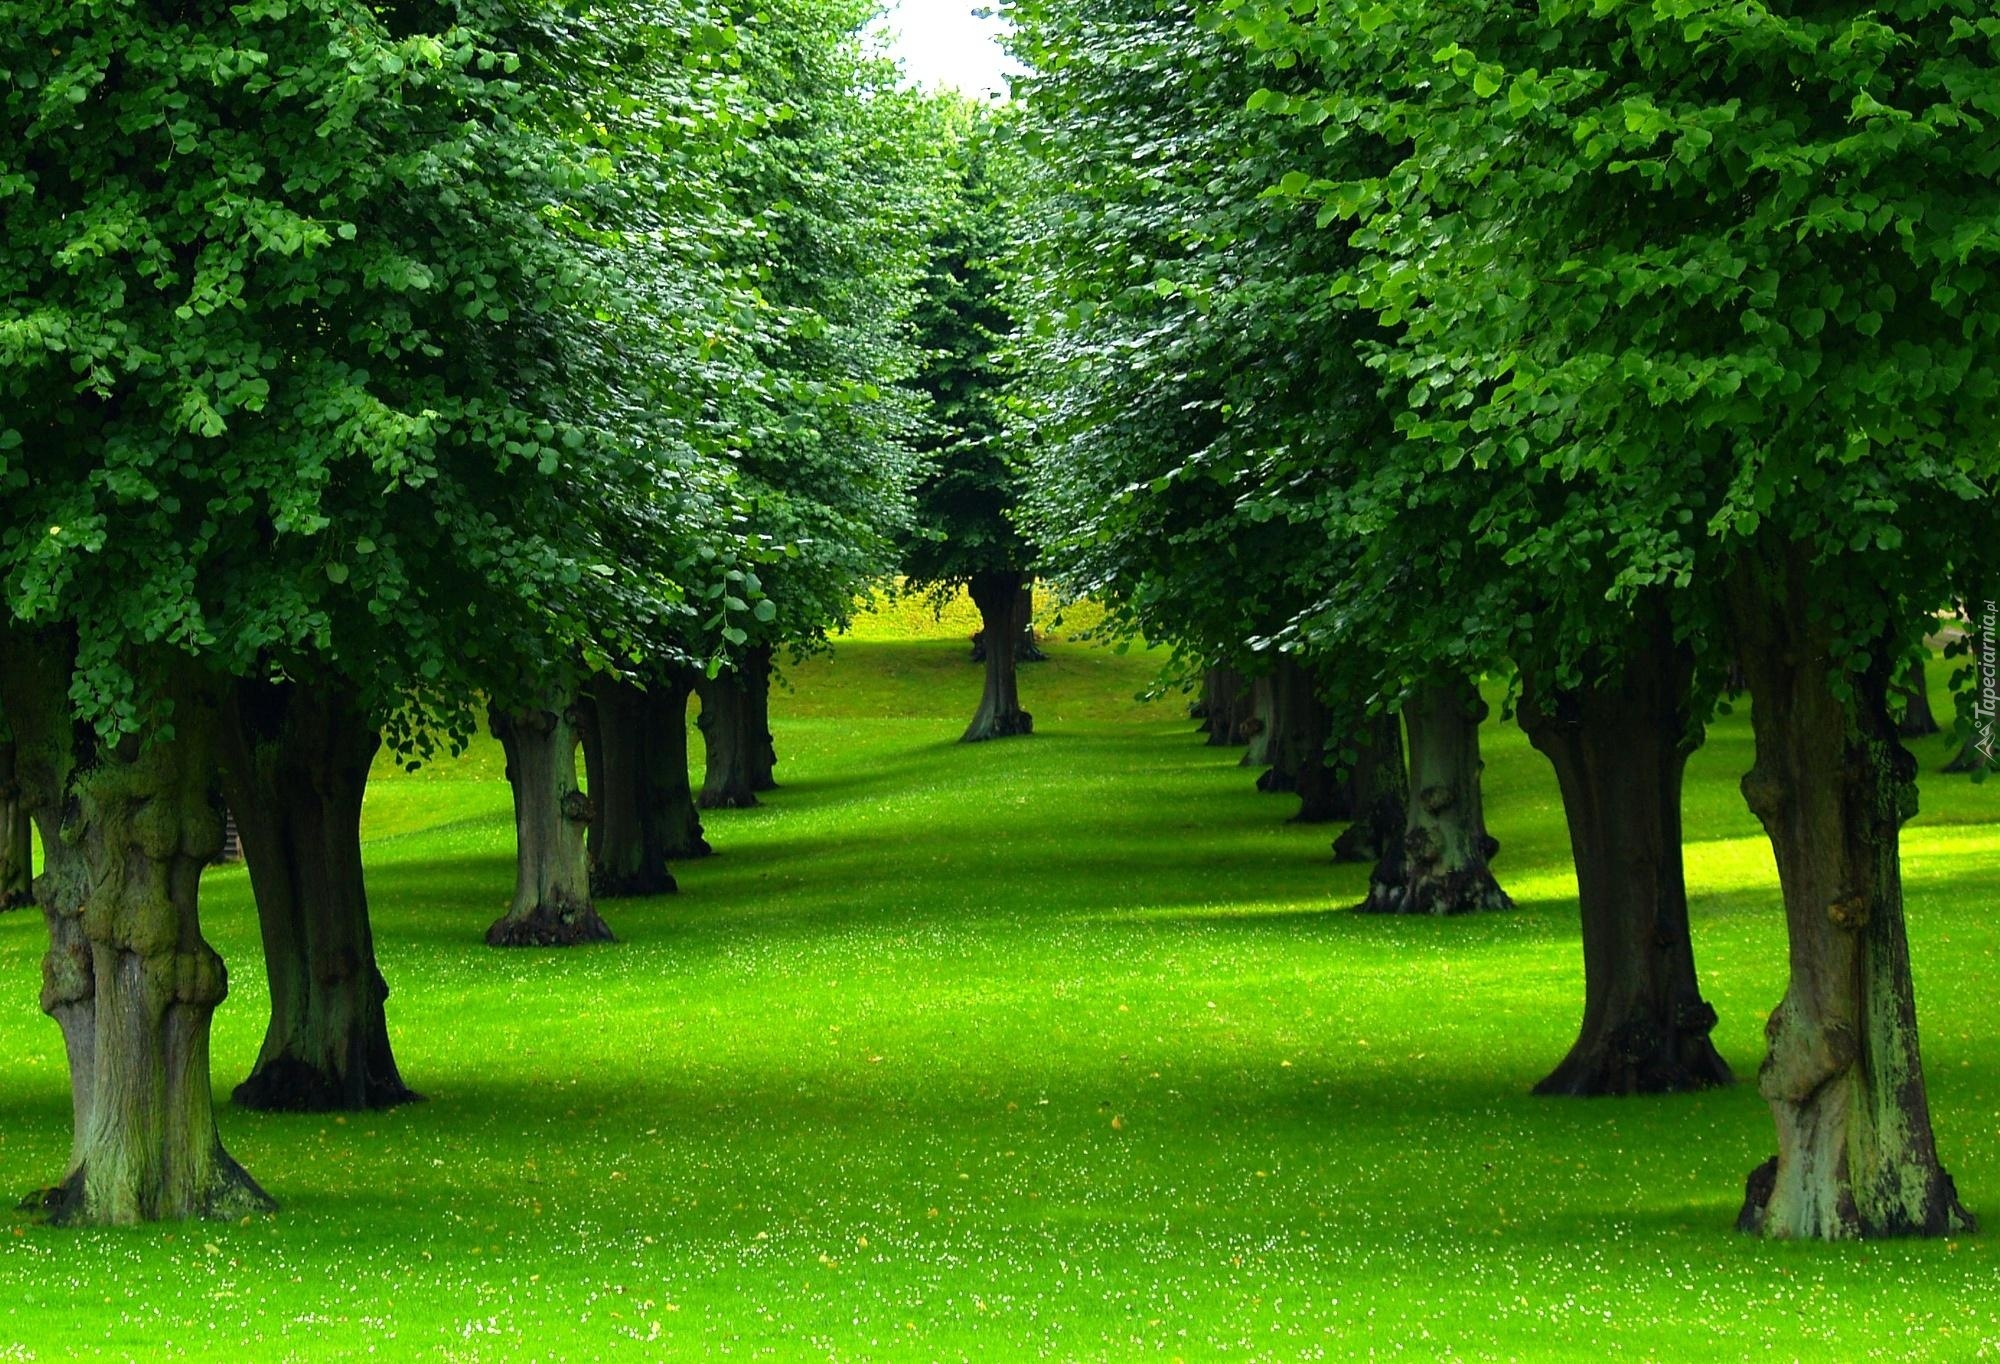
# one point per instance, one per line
(1056, 1048)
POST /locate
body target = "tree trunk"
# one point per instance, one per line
(1027, 648)
(1620, 749)
(1218, 705)
(762, 747)
(1918, 720)
(295, 762)
(727, 734)
(552, 905)
(1832, 787)
(17, 846)
(1381, 784)
(1303, 729)
(628, 836)
(1258, 726)
(1446, 840)
(998, 597)
(667, 733)
(126, 832)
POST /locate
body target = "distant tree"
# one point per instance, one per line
(964, 533)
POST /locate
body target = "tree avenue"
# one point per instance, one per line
(308, 427)
(372, 376)
(1703, 293)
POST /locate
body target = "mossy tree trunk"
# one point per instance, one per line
(1844, 1078)
(126, 831)
(629, 834)
(552, 905)
(295, 760)
(1380, 782)
(762, 750)
(1445, 839)
(1620, 748)
(728, 736)
(998, 597)
(17, 846)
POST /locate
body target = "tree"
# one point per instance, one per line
(317, 418)
(1707, 277)
(834, 191)
(964, 534)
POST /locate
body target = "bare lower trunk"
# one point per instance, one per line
(1257, 727)
(1620, 748)
(1917, 720)
(1380, 782)
(126, 832)
(552, 906)
(295, 763)
(1303, 728)
(998, 597)
(1445, 839)
(728, 735)
(17, 847)
(668, 735)
(1218, 705)
(762, 749)
(628, 837)
(1027, 647)
(1832, 787)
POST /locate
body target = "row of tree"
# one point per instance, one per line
(1635, 353)
(371, 373)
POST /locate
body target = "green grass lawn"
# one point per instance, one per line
(1054, 1048)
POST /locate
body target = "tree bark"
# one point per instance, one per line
(629, 834)
(728, 735)
(1380, 781)
(998, 597)
(668, 735)
(1445, 839)
(1832, 787)
(552, 906)
(762, 747)
(1303, 727)
(1027, 649)
(126, 831)
(295, 762)
(1620, 749)
(17, 847)
(1218, 705)
(1918, 720)
(1257, 725)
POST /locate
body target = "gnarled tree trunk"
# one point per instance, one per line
(1380, 783)
(1620, 748)
(552, 906)
(998, 597)
(17, 847)
(295, 762)
(1832, 787)
(126, 831)
(729, 735)
(628, 836)
(1445, 840)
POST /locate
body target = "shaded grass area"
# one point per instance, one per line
(1049, 1048)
